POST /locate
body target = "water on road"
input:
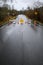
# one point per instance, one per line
(21, 44)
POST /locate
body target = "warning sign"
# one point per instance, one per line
(21, 20)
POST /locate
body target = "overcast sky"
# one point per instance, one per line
(19, 4)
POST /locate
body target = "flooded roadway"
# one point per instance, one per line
(21, 44)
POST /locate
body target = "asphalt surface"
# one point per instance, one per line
(21, 44)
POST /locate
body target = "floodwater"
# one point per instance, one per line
(21, 44)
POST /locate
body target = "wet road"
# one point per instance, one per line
(21, 44)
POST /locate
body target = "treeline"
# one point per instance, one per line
(5, 13)
(36, 14)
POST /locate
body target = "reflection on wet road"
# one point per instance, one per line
(21, 44)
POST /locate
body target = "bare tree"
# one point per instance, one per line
(38, 4)
(4, 1)
(28, 8)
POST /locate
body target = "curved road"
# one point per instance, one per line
(21, 44)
